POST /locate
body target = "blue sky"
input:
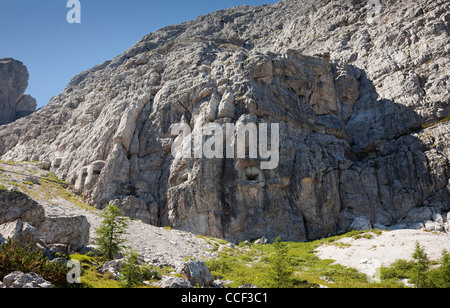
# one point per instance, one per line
(37, 33)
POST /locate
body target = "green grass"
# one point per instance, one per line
(92, 279)
(16, 184)
(53, 188)
(251, 265)
(51, 177)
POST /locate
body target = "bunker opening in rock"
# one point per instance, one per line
(252, 175)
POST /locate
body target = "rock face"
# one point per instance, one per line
(362, 106)
(13, 83)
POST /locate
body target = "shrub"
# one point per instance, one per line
(440, 277)
(444, 270)
(420, 270)
(15, 257)
(400, 269)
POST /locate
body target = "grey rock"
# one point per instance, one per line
(173, 283)
(327, 279)
(113, 267)
(197, 273)
(419, 214)
(20, 232)
(361, 106)
(68, 230)
(248, 286)
(262, 240)
(13, 83)
(433, 226)
(32, 179)
(26, 106)
(447, 223)
(15, 205)
(19, 280)
(361, 224)
(137, 208)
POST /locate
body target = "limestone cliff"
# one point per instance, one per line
(13, 83)
(362, 104)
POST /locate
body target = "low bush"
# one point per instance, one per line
(15, 257)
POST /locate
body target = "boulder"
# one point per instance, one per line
(20, 232)
(263, 240)
(447, 223)
(19, 280)
(68, 230)
(361, 224)
(15, 205)
(113, 267)
(197, 273)
(418, 214)
(173, 283)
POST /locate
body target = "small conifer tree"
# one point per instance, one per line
(421, 267)
(111, 231)
(131, 273)
(444, 270)
(280, 269)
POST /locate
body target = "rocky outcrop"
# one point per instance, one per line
(21, 232)
(19, 280)
(15, 206)
(169, 282)
(362, 109)
(23, 220)
(13, 83)
(197, 273)
(137, 208)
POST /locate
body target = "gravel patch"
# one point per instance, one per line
(365, 254)
(158, 246)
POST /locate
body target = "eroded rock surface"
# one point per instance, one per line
(362, 107)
